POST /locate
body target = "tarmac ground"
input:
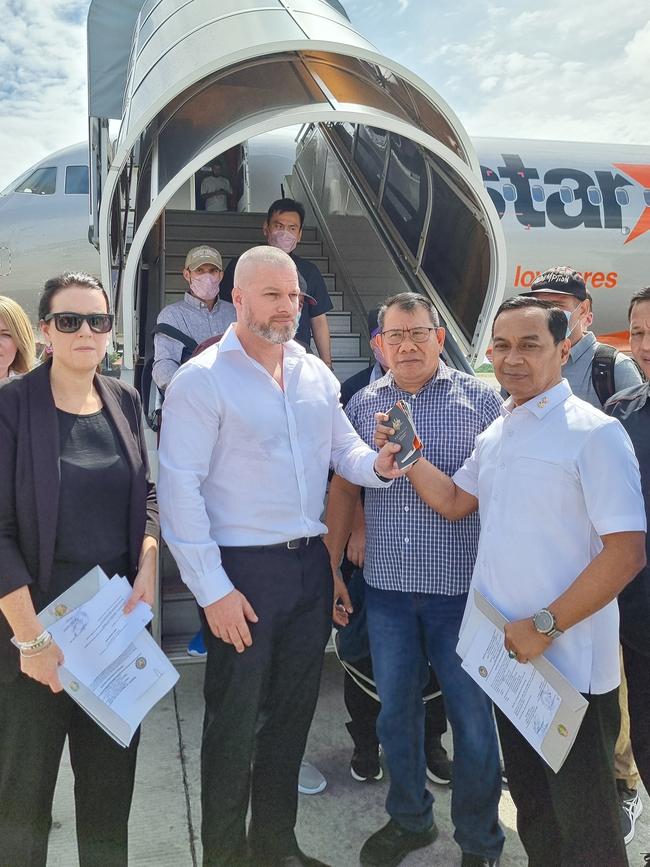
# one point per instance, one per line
(166, 814)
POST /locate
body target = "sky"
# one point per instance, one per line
(549, 69)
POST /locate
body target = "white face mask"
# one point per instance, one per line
(283, 240)
(571, 328)
(205, 286)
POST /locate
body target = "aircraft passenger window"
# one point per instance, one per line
(594, 195)
(41, 182)
(538, 193)
(76, 180)
(567, 195)
(622, 196)
(509, 193)
(646, 197)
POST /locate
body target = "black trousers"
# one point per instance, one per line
(34, 723)
(568, 819)
(259, 704)
(637, 672)
(364, 710)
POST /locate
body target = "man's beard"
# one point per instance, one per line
(272, 333)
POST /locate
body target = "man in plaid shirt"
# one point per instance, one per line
(418, 568)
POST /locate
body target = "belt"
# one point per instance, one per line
(291, 545)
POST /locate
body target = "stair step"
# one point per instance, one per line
(206, 233)
(176, 286)
(338, 321)
(225, 219)
(229, 248)
(345, 345)
(175, 646)
(174, 263)
(344, 368)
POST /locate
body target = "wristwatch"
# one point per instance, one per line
(545, 623)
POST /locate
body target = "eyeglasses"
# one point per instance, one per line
(68, 323)
(419, 334)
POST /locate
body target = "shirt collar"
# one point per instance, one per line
(197, 304)
(443, 373)
(541, 404)
(583, 345)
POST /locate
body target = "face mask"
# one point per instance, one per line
(569, 328)
(283, 240)
(205, 286)
(379, 355)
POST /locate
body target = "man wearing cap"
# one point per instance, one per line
(200, 315)
(566, 289)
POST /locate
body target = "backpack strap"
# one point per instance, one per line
(176, 334)
(602, 372)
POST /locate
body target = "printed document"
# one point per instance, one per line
(112, 666)
(534, 696)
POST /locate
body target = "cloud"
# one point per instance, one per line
(553, 70)
(43, 102)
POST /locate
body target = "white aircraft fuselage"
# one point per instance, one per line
(582, 204)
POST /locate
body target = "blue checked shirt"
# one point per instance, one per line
(409, 547)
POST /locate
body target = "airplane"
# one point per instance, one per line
(586, 205)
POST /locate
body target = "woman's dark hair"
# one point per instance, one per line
(65, 281)
(556, 318)
(641, 295)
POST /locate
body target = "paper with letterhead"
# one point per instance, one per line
(534, 696)
(113, 668)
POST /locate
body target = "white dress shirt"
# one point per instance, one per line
(552, 476)
(243, 462)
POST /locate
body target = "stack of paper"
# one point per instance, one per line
(112, 666)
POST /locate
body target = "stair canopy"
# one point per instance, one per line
(204, 77)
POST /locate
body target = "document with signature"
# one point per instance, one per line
(112, 666)
(534, 696)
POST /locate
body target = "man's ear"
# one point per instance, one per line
(565, 350)
(187, 274)
(265, 229)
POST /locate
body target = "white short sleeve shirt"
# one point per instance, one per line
(552, 476)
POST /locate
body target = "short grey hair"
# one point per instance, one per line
(408, 302)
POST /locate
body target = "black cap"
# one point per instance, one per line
(560, 280)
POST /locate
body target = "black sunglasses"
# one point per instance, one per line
(68, 323)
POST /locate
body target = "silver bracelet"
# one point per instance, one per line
(30, 648)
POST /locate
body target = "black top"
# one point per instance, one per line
(93, 516)
(315, 287)
(30, 482)
(355, 383)
(634, 601)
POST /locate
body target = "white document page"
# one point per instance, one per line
(519, 690)
(93, 635)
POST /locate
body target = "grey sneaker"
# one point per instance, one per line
(310, 780)
(631, 807)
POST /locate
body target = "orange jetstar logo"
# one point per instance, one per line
(641, 175)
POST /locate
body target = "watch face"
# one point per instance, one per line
(543, 621)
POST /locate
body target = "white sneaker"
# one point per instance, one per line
(310, 780)
(631, 807)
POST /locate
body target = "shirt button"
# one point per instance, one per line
(406, 508)
(502, 466)
(407, 540)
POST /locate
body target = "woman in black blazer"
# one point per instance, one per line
(74, 492)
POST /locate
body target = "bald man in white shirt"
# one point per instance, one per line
(251, 426)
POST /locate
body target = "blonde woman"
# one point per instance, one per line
(17, 349)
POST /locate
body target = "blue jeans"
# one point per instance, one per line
(407, 630)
